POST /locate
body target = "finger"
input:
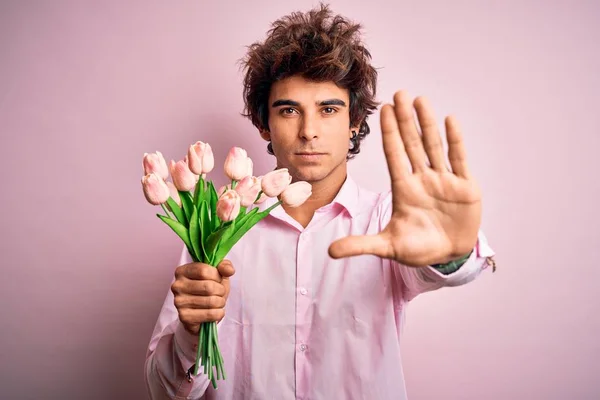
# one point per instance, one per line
(408, 131)
(199, 288)
(456, 149)
(357, 245)
(226, 269)
(199, 302)
(200, 272)
(393, 147)
(191, 317)
(431, 136)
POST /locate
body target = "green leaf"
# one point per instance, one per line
(199, 193)
(188, 203)
(212, 242)
(177, 211)
(241, 215)
(204, 228)
(234, 234)
(195, 234)
(180, 230)
(214, 197)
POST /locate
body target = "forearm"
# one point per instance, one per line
(171, 353)
(169, 358)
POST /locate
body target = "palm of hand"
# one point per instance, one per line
(436, 211)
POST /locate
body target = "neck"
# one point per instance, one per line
(323, 193)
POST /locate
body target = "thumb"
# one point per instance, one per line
(356, 245)
(226, 269)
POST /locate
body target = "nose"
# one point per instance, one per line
(309, 128)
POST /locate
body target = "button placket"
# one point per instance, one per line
(303, 310)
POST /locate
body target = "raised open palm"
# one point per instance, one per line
(436, 208)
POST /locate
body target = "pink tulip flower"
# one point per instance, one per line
(208, 162)
(200, 158)
(274, 182)
(155, 162)
(174, 193)
(250, 167)
(184, 179)
(155, 189)
(236, 164)
(296, 194)
(223, 189)
(228, 206)
(248, 189)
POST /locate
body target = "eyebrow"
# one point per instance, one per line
(288, 102)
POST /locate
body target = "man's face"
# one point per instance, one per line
(309, 127)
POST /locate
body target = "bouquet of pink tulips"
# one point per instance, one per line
(211, 222)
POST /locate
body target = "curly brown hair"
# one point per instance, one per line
(320, 47)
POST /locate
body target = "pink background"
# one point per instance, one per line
(87, 88)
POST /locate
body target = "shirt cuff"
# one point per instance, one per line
(453, 265)
(187, 346)
(478, 261)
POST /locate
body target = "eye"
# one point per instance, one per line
(329, 110)
(287, 111)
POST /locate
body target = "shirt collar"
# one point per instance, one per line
(347, 197)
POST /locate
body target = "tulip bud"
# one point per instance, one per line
(248, 189)
(155, 162)
(296, 194)
(274, 182)
(228, 206)
(156, 190)
(174, 193)
(195, 157)
(223, 189)
(250, 167)
(208, 161)
(200, 158)
(236, 164)
(183, 178)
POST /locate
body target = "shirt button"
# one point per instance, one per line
(303, 347)
(303, 291)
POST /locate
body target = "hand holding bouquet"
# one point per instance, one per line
(211, 222)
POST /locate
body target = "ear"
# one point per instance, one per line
(266, 135)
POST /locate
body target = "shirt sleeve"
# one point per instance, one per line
(171, 353)
(414, 281)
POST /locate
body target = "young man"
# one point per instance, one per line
(315, 308)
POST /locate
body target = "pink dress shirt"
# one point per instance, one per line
(298, 324)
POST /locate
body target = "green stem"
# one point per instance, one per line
(166, 210)
(210, 349)
(205, 359)
(220, 369)
(268, 210)
(199, 350)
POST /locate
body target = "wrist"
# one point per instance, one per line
(453, 258)
(453, 264)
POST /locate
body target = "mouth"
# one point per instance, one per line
(310, 155)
